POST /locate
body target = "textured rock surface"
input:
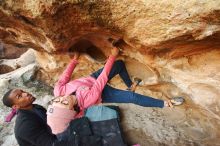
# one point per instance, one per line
(174, 46)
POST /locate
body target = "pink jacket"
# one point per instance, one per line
(88, 89)
(88, 92)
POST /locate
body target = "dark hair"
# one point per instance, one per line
(6, 100)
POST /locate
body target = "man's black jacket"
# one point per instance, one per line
(31, 130)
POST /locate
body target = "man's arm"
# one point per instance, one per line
(65, 77)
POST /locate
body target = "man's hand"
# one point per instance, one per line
(115, 51)
(76, 55)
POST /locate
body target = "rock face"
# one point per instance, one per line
(174, 46)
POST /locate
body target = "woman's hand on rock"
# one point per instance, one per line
(115, 51)
(76, 55)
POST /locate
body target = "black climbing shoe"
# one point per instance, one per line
(137, 81)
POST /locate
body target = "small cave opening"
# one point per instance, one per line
(87, 47)
(5, 69)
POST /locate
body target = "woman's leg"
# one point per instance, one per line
(117, 68)
(113, 95)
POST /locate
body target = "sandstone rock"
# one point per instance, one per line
(174, 46)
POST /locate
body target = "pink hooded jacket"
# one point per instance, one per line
(88, 92)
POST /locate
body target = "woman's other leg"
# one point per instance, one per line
(113, 95)
(117, 68)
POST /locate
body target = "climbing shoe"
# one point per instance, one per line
(137, 81)
(177, 100)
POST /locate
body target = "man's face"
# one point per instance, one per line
(67, 102)
(21, 99)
